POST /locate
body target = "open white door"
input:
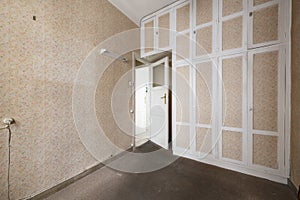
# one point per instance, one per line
(159, 112)
(142, 104)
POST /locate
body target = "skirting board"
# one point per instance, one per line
(232, 167)
(68, 182)
(294, 188)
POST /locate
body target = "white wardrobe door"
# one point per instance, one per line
(204, 106)
(266, 22)
(164, 33)
(182, 35)
(204, 28)
(148, 37)
(266, 106)
(182, 95)
(233, 98)
(232, 26)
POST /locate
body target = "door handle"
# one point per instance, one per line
(165, 98)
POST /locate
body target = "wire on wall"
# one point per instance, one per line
(8, 122)
(8, 167)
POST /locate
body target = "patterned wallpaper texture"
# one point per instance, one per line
(39, 60)
(108, 105)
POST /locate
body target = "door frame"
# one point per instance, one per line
(167, 79)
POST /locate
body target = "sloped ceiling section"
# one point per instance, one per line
(137, 9)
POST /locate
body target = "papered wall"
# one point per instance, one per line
(39, 60)
(113, 100)
(295, 131)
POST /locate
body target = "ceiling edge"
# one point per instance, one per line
(131, 19)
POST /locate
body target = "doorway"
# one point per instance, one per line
(152, 101)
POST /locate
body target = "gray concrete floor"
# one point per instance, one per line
(184, 179)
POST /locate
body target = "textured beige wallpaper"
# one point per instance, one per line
(164, 33)
(204, 140)
(183, 14)
(182, 94)
(232, 6)
(264, 147)
(232, 145)
(149, 36)
(204, 41)
(204, 11)
(295, 132)
(106, 107)
(265, 24)
(204, 85)
(182, 46)
(265, 117)
(232, 33)
(232, 76)
(38, 63)
(183, 136)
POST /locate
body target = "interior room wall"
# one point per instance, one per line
(113, 112)
(39, 60)
(295, 128)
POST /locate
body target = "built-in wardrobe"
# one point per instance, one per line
(231, 81)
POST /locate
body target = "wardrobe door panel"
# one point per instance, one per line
(265, 91)
(265, 151)
(234, 114)
(183, 136)
(204, 41)
(182, 46)
(182, 94)
(230, 7)
(204, 28)
(149, 36)
(233, 26)
(203, 140)
(204, 91)
(164, 30)
(183, 17)
(232, 34)
(204, 11)
(266, 108)
(232, 81)
(265, 25)
(232, 145)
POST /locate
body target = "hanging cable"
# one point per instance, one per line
(8, 165)
(8, 122)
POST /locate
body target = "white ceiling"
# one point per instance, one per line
(137, 9)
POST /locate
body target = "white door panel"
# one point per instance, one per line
(159, 116)
(159, 127)
(142, 102)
